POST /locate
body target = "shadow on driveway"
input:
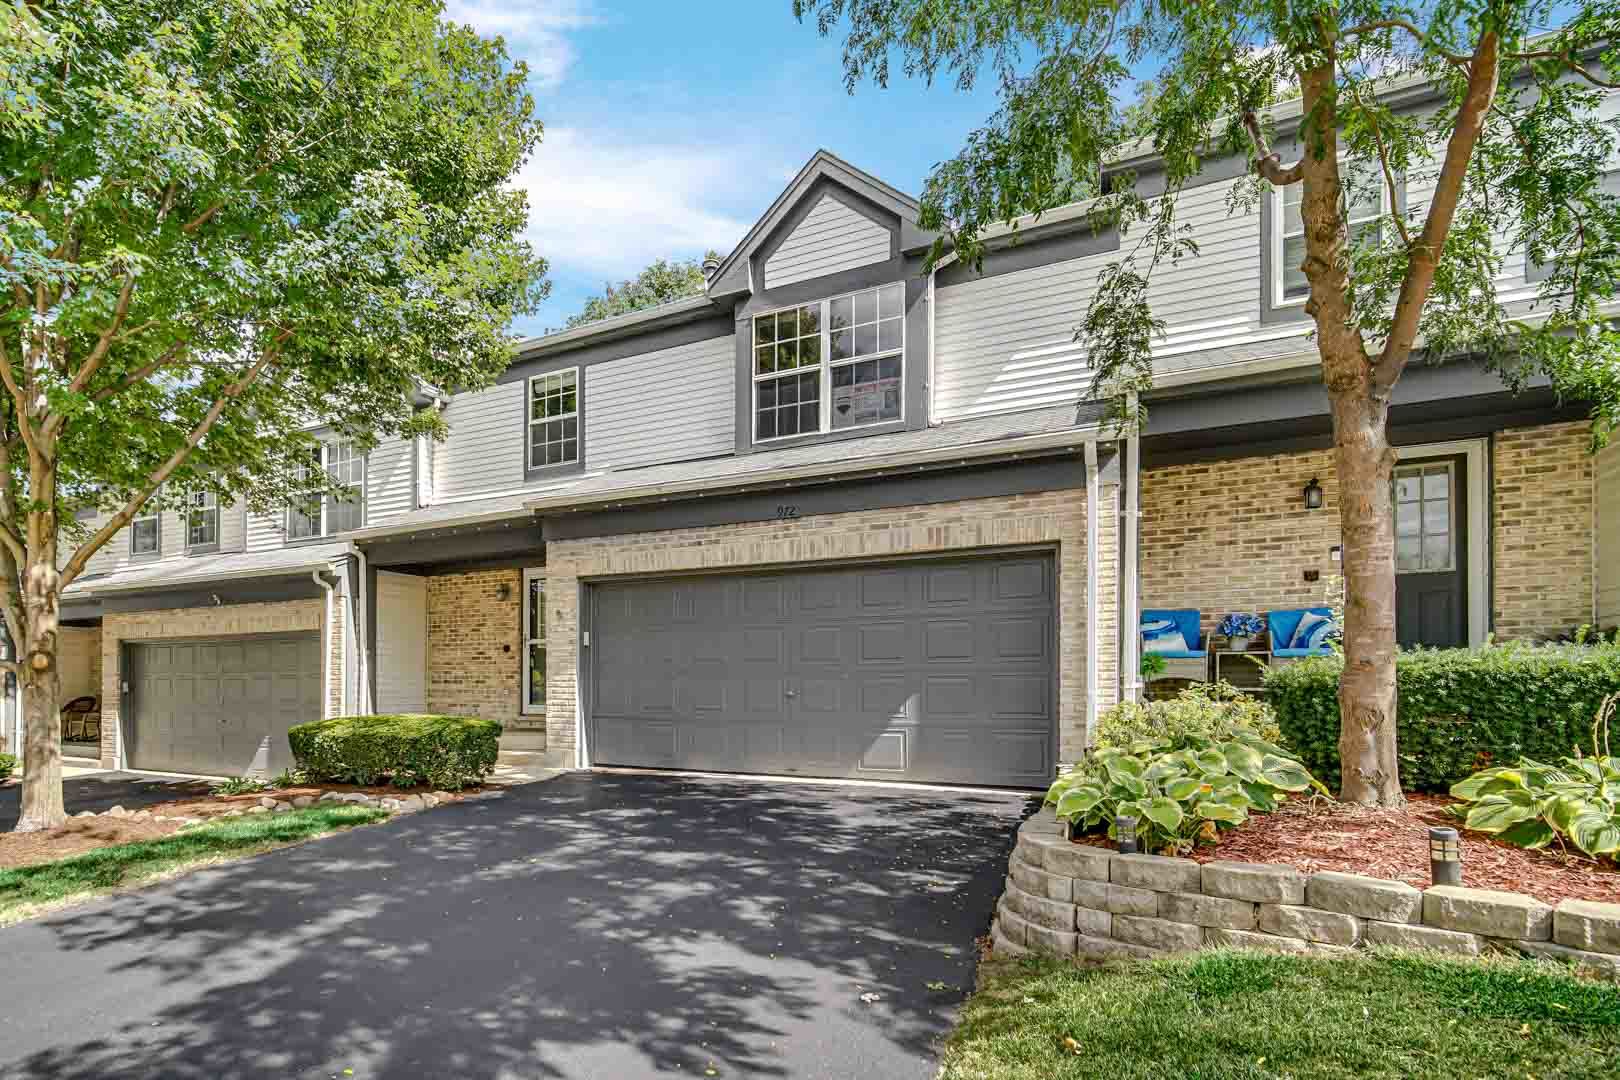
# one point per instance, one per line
(594, 925)
(103, 791)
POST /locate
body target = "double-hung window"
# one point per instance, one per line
(344, 508)
(554, 418)
(145, 532)
(831, 365)
(1366, 201)
(202, 521)
(534, 641)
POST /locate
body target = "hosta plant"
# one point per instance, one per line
(1532, 805)
(1179, 795)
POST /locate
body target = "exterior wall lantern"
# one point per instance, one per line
(1313, 494)
(1125, 831)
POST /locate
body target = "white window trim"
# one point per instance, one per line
(824, 369)
(157, 551)
(1478, 564)
(321, 532)
(530, 575)
(219, 521)
(1279, 217)
(529, 426)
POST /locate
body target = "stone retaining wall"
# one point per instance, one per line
(1092, 903)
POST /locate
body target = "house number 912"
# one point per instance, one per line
(786, 512)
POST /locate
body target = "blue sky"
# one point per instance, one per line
(671, 126)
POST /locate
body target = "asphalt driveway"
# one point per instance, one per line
(103, 791)
(594, 925)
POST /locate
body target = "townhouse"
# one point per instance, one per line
(839, 516)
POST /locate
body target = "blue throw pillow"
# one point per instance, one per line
(1312, 631)
(1163, 635)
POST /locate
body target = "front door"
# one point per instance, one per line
(1431, 553)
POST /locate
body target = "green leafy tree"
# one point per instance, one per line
(661, 282)
(223, 226)
(1512, 155)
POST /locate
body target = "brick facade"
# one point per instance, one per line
(1057, 517)
(1542, 531)
(475, 657)
(233, 619)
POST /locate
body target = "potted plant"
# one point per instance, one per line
(1238, 628)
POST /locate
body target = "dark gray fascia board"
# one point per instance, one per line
(678, 327)
(517, 537)
(256, 590)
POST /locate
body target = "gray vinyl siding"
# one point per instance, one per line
(389, 478)
(832, 237)
(114, 555)
(485, 449)
(266, 532)
(670, 405)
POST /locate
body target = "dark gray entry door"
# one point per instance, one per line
(1431, 553)
(939, 671)
(221, 707)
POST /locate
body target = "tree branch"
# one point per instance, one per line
(1423, 257)
(1266, 161)
(1389, 173)
(1568, 60)
(143, 372)
(9, 376)
(1423, 39)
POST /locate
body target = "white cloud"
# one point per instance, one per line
(608, 207)
(535, 30)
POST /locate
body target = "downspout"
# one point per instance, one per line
(1092, 495)
(1130, 619)
(933, 414)
(362, 637)
(327, 587)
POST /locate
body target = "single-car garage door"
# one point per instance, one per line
(938, 671)
(221, 707)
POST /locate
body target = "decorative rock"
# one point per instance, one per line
(118, 811)
(282, 807)
(1040, 883)
(1599, 963)
(1207, 910)
(389, 804)
(302, 801)
(1587, 925)
(1310, 924)
(1088, 947)
(1488, 912)
(1408, 936)
(1042, 939)
(1157, 872)
(330, 796)
(85, 813)
(430, 801)
(1217, 938)
(412, 803)
(267, 802)
(1364, 897)
(1158, 933)
(258, 809)
(1262, 883)
(1116, 899)
(1077, 861)
(142, 815)
(232, 813)
(443, 796)
(359, 798)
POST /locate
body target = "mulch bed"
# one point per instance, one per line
(1316, 834)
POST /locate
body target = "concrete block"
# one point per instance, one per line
(1040, 883)
(1078, 861)
(1044, 939)
(1053, 914)
(1158, 933)
(1157, 872)
(1094, 922)
(1488, 912)
(1010, 925)
(1364, 897)
(1329, 927)
(1218, 938)
(1204, 910)
(1410, 936)
(1606, 965)
(1033, 848)
(1587, 925)
(1116, 899)
(1043, 823)
(1088, 947)
(1263, 883)
(1001, 947)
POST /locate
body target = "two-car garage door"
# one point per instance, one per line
(926, 670)
(220, 707)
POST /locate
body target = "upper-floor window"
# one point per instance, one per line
(1608, 185)
(339, 511)
(1366, 201)
(830, 365)
(145, 532)
(202, 521)
(554, 418)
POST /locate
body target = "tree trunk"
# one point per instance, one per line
(1365, 464)
(40, 682)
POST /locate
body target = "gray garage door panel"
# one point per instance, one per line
(221, 707)
(938, 671)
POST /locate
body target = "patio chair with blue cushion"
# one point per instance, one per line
(1299, 632)
(1173, 633)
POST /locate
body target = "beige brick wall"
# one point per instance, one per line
(1225, 536)
(232, 619)
(1057, 517)
(475, 659)
(1542, 535)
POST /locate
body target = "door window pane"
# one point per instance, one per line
(534, 642)
(1425, 537)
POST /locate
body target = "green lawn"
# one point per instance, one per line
(1223, 1015)
(27, 890)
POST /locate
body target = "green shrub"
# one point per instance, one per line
(447, 752)
(239, 785)
(1201, 711)
(8, 765)
(1459, 711)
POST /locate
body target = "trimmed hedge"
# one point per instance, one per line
(1459, 710)
(449, 752)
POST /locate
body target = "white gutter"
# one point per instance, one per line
(1092, 496)
(362, 638)
(1129, 617)
(326, 645)
(933, 342)
(81, 591)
